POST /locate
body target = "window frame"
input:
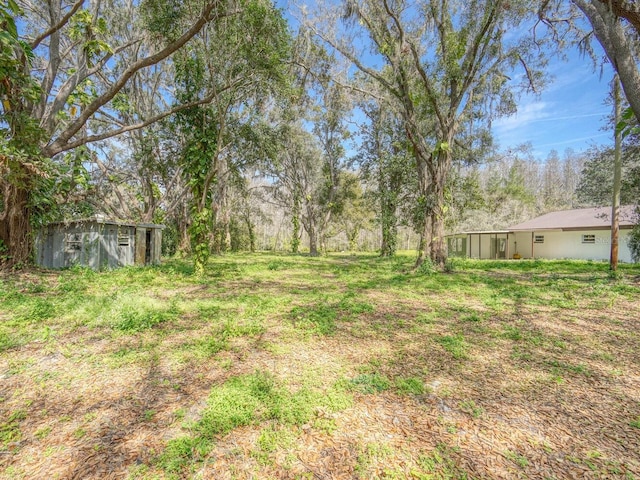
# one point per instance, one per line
(124, 238)
(73, 241)
(589, 238)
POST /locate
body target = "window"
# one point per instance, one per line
(457, 246)
(73, 242)
(588, 239)
(538, 239)
(123, 238)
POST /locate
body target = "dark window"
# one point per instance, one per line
(73, 241)
(123, 238)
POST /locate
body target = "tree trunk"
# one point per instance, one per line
(15, 231)
(295, 223)
(313, 239)
(438, 248)
(618, 47)
(352, 236)
(426, 231)
(251, 230)
(388, 225)
(184, 241)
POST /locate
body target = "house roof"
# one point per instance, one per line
(581, 218)
(101, 219)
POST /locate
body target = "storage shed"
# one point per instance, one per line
(98, 243)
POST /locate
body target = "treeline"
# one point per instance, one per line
(504, 190)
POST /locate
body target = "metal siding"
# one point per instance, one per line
(127, 252)
(109, 246)
(141, 245)
(92, 250)
(156, 245)
(58, 248)
(99, 245)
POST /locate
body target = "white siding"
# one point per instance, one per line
(568, 244)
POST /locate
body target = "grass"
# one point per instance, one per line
(272, 366)
(248, 400)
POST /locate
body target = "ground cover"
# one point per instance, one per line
(275, 366)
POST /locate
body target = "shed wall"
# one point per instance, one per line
(93, 244)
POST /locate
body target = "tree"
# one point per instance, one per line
(620, 46)
(298, 183)
(355, 214)
(20, 165)
(386, 164)
(85, 63)
(444, 62)
(308, 168)
(330, 131)
(616, 26)
(255, 43)
(596, 181)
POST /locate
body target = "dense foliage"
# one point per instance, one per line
(363, 130)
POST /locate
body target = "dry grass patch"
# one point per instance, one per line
(340, 367)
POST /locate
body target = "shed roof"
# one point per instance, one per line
(581, 218)
(106, 221)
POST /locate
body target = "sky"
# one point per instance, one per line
(569, 113)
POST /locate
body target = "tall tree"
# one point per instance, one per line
(385, 163)
(616, 26)
(82, 59)
(255, 43)
(443, 62)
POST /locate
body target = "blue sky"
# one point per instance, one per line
(569, 113)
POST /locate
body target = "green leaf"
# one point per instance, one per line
(13, 6)
(10, 26)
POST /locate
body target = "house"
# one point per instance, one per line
(583, 233)
(98, 243)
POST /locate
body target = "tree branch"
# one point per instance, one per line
(54, 28)
(51, 151)
(62, 142)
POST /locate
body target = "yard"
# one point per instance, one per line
(338, 367)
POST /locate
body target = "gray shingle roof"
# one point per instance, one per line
(598, 217)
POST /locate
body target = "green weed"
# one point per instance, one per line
(7, 341)
(410, 386)
(320, 318)
(247, 400)
(10, 429)
(270, 440)
(37, 310)
(470, 407)
(42, 432)
(455, 345)
(370, 383)
(516, 458)
(579, 369)
(439, 464)
(137, 318)
(181, 452)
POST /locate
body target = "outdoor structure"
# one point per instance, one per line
(98, 243)
(583, 233)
